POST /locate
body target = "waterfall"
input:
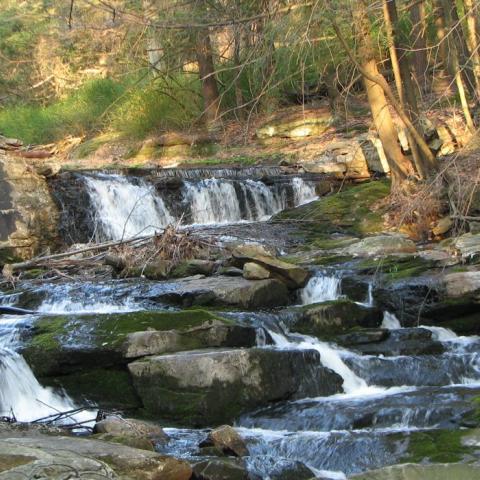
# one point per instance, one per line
(20, 392)
(125, 207)
(330, 357)
(303, 192)
(390, 321)
(321, 288)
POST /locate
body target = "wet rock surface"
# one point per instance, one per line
(205, 387)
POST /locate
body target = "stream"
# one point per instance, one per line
(384, 398)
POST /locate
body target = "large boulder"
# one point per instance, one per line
(213, 387)
(404, 341)
(334, 317)
(292, 275)
(225, 291)
(28, 214)
(62, 344)
(220, 469)
(381, 245)
(461, 284)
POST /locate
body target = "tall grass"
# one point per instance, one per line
(130, 108)
(75, 115)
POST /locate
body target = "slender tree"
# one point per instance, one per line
(419, 43)
(399, 49)
(400, 165)
(472, 11)
(206, 68)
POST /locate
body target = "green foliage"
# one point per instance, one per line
(76, 115)
(162, 104)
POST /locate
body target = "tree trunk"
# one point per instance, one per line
(418, 16)
(443, 10)
(206, 68)
(400, 166)
(239, 100)
(154, 51)
(408, 99)
(472, 12)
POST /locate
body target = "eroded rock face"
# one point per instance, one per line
(28, 215)
(213, 387)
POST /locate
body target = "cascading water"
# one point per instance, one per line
(126, 207)
(323, 287)
(21, 395)
(390, 321)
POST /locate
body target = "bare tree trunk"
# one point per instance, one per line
(154, 51)
(444, 24)
(393, 50)
(239, 100)
(211, 98)
(418, 16)
(400, 166)
(461, 45)
(408, 98)
(472, 11)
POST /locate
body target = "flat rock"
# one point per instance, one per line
(381, 245)
(226, 291)
(118, 461)
(213, 387)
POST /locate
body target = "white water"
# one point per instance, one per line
(330, 357)
(126, 208)
(442, 334)
(303, 192)
(390, 321)
(21, 394)
(321, 288)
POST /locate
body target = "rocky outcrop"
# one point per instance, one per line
(306, 123)
(225, 291)
(212, 387)
(58, 345)
(28, 215)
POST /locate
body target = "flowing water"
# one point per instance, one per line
(384, 399)
(126, 207)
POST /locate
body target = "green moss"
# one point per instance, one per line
(107, 387)
(350, 211)
(97, 329)
(395, 267)
(437, 446)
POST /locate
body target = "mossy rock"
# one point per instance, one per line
(106, 387)
(335, 317)
(350, 211)
(437, 446)
(395, 267)
(65, 343)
